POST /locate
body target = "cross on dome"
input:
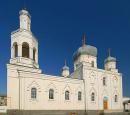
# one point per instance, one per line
(109, 52)
(65, 63)
(84, 39)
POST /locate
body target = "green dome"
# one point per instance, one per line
(65, 67)
(110, 59)
(85, 50)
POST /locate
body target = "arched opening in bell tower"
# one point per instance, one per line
(25, 50)
(15, 48)
(34, 54)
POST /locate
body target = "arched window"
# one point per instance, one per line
(67, 95)
(116, 98)
(51, 94)
(104, 81)
(92, 63)
(93, 96)
(34, 54)
(15, 46)
(79, 95)
(25, 50)
(33, 93)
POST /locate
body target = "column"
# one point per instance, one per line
(31, 53)
(19, 50)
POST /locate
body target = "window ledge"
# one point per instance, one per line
(93, 102)
(80, 101)
(67, 101)
(33, 99)
(51, 99)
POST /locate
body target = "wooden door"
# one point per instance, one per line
(73, 113)
(105, 104)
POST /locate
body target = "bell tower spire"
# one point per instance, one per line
(25, 19)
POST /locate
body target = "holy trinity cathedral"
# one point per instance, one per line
(32, 92)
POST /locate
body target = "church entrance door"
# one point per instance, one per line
(105, 103)
(73, 113)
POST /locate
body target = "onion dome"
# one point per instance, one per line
(65, 67)
(85, 50)
(109, 58)
(65, 70)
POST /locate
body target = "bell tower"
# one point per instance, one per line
(24, 45)
(23, 62)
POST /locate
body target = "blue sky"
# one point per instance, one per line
(59, 25)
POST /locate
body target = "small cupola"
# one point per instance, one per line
(110, 62)
(25, 20)
(65, 70)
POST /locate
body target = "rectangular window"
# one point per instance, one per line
(67, 95)
(92, 63)
(51, 94)
(116, 100)
(93, 96)
(79, 96)
(104, 81)
(33, 93)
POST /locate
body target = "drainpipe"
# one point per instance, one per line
(85, 97)
(19, 88)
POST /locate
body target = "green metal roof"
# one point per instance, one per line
(85, 50)
(65, 68)
(110, 59)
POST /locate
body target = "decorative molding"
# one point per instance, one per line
(51, 86)
(34, 84)
(104, 93)
(78, 89)
(92, 90)
(67, 88)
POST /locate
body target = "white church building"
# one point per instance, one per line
(87, 89)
